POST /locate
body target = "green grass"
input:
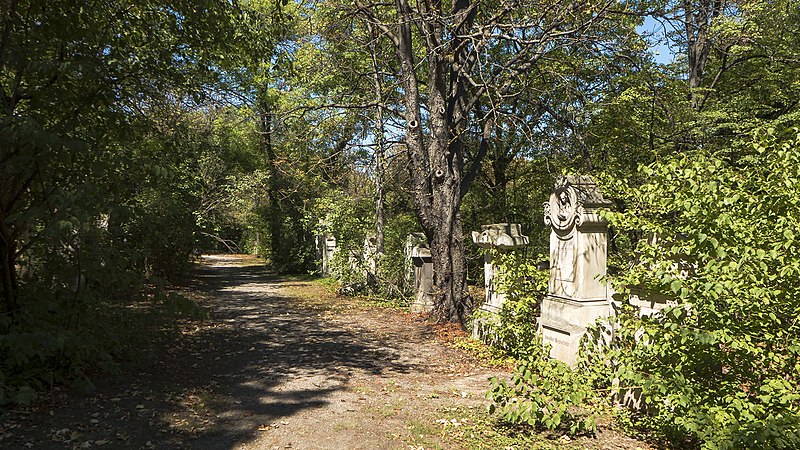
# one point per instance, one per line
(474, 428)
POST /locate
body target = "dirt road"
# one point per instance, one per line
(280, 364)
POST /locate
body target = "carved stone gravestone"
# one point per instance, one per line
(423, 277)
(327, 246)
(412, 240)
(576, 296)
(504, 237)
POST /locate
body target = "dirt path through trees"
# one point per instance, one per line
(279, 364)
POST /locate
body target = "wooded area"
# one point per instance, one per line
(138, 134)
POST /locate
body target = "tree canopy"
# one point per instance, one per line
(136, 134)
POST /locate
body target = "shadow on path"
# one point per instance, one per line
(266, 359)
(260, 359)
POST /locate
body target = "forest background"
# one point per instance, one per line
(136, 134)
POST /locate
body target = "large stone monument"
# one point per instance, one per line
(420, 255)
(576, 296)
(502, 237)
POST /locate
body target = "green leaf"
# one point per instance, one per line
(675, 286)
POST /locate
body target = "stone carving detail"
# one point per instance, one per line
(562, 212)
(505, 236)
(572, 204)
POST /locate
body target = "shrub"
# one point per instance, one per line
(722, 367)
(545, 394)
(513, 329)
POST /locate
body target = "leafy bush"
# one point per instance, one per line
(722, 367)
(546, 394)
(513, 329)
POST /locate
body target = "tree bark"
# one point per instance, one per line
(380, 150)
(437, 165)
(8, 271)
(275, 219)
(697, 20)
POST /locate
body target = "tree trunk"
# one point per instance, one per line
(449, 263)
(437, 164)
(8, 273)
(380, 150)
(275, 219)
(458, 81)
(697, 20)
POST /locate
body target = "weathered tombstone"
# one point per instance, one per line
(326, 247)
(504, 237)
(370, 255)
(412, 240)
(576, 296)
(423, 277)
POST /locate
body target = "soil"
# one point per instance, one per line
(283, 363)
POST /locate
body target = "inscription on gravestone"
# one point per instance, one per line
(566, 261)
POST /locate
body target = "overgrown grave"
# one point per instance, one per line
(496, 239)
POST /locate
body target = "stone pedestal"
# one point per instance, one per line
(503, 237)
(326, 248)
(370, 255)
(423, 278)
(576, 296)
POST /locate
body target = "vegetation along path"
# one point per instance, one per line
(283, 363)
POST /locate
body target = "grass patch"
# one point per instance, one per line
(474, 428)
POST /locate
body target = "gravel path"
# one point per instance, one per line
(280, 364)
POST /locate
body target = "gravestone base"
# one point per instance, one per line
(564, 321)
(481, 325)
(423, 303)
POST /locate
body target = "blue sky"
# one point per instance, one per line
(658, 46)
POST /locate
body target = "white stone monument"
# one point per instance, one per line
(503, 237)
(326, 245)
(576, 296)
